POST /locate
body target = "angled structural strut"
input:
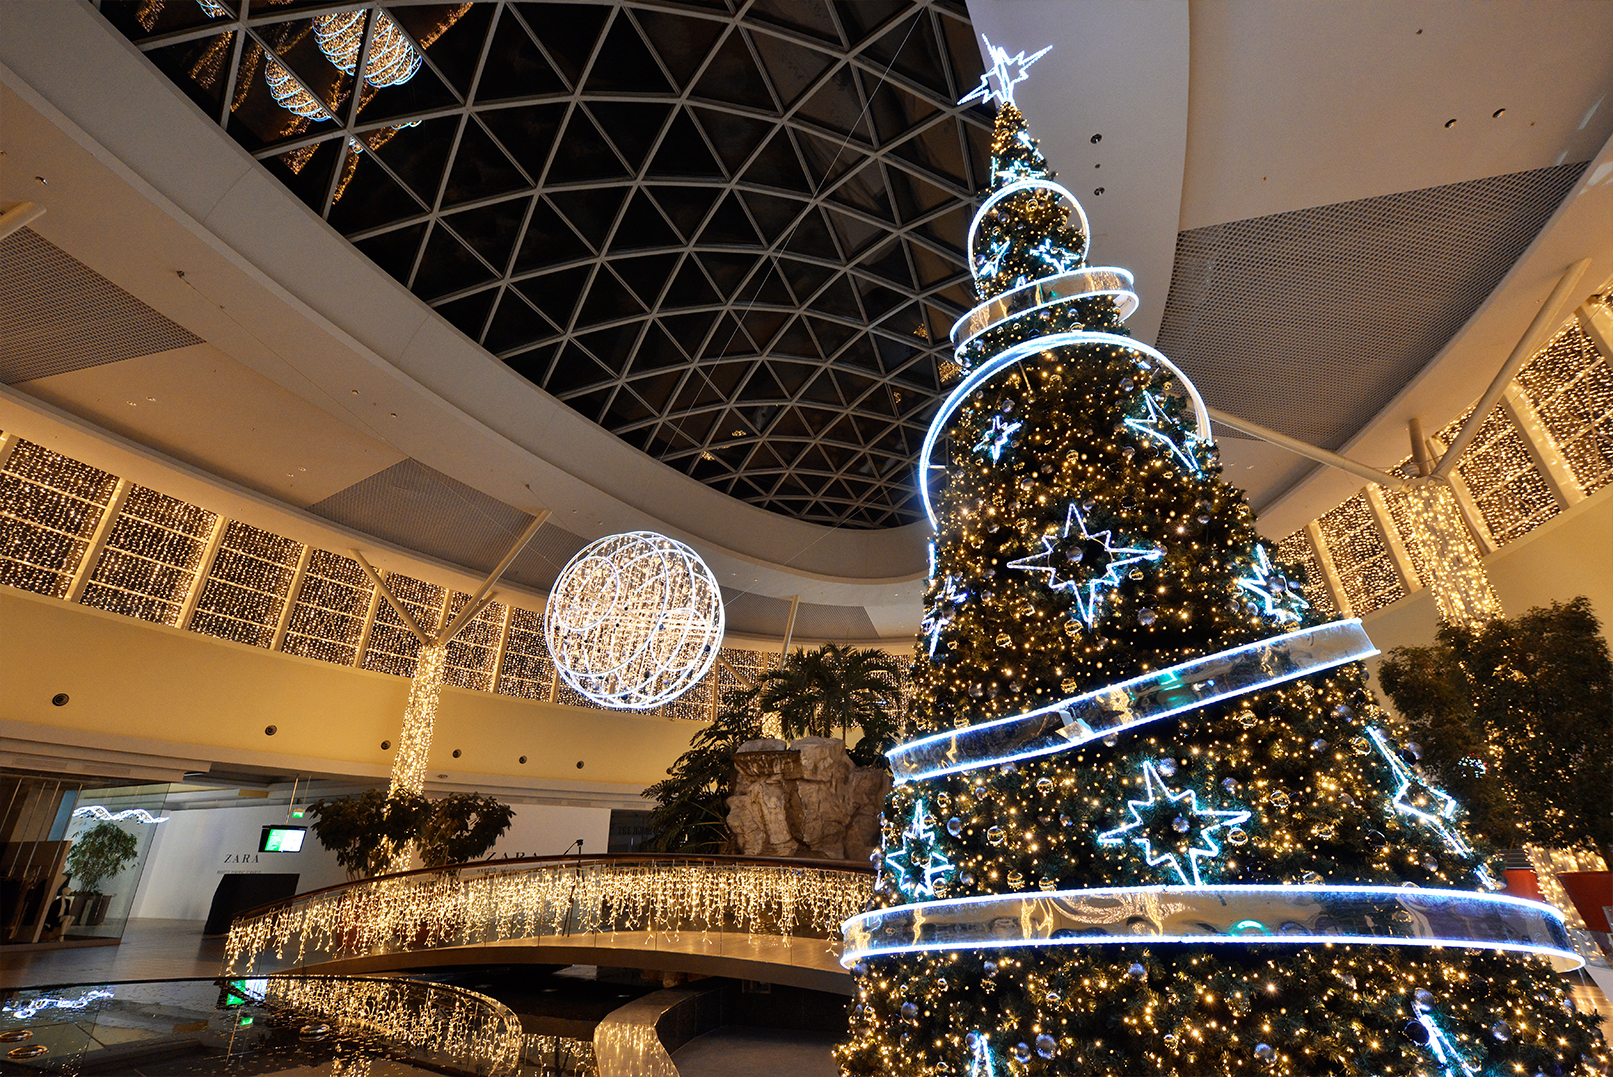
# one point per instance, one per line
(1294, 445)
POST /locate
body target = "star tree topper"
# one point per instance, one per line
(917, 867)
(1161, 801)
(1069, 558)
(1008, 71)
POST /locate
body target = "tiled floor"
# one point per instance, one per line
(151, 950)
(736, 1051)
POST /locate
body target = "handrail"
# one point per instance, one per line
(639, 898)
(562, 858)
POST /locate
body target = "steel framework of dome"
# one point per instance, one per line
(729, 233)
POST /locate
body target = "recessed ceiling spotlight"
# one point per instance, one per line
(1096, 139)
(1498, 113)
(1450, 123)
(1097, 190)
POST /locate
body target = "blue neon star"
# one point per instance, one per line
(1159, 426)
(995, 439)
(941, 612)
(1427, 804)
(1006, 79)
(1156, 789)
(1076, 546)
(981, 1064)
(917, 867)
(1444, 1050)
(1278, 603)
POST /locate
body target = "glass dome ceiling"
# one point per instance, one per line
(731, 234)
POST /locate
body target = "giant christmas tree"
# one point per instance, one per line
(1149, 824)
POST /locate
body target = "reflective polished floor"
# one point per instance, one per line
(737, 1051)
(150, 950)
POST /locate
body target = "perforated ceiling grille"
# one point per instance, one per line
(730, 233)
(1272, 316)
(57, 314)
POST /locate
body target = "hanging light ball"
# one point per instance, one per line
(634, 621)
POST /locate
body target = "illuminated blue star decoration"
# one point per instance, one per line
(1451, 1059)
(1195, 839)
(1276, 601)
(995, 439)
(981, 1064)
(1007, 71)
(1085, 563)
(992, 264)
(1159, 426)
(1429, 805)
(918, 866)
(940, 612)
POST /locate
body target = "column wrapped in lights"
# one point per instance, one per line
(414, 743)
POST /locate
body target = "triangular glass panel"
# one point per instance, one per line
(481, 170)
(647, 276)
(839, 299)
(763, 325)
(913, 51)
(865, 191)
(773, 214)
(394, 251)
(306, 171)
(681, 41)
(568, 32)
(454, 34)
(625, 64)
(729, 226)
(319, 89)
(897, 113)
(548, 241)
(583, 155)
(515, 324)
(515, 65)
(631, 126)
(591, 211)
(684, 152)
(932, 268)
(730, 339)
(878, 300)
(369, 197)
(791, 67)
(608, 300)
(491, 230)
(592, 404)
(658, 351)
(612, 346)
(948, 229)
(821, 390)
(832, 335)
(469, 314)
(423, 91)
(838, 106)
(937, 151)
(776, 165)
(573, 370)
(556, 294)
(890, 262)
(417, 155)
(643, 227)
(686, 207)
(691, 288)
(914, 196)
(791, 376)
(865, 16)
(813, 239)
(795, 341)
(734, 136)
(626, 409)
(199, 67)
(732, 76)
(689, 330)
(805, 278)
(854, 233)
(527, 132)
(533, 363)
(728, 271)
(447, 266)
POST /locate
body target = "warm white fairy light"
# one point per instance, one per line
(470, 907)
(414, 743)
(1445, 554)
(152, 554)
(49, 506)
(1547, 863)
(392, 59)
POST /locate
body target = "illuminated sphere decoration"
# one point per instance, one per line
(634, 621)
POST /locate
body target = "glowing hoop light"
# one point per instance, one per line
(634, 621)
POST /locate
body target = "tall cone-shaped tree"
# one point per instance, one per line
(1084, 538)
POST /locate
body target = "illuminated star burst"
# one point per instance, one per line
(941, 612)
(1160, 427)
(995, 440)
(1007, 71)
(1160, 801)
(1429, 805)
(1275, 602)
(1069, 559)
(917, 867)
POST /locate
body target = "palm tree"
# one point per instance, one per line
(691, 812)
(816, 691)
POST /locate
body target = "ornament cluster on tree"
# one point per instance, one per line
(1048, 885)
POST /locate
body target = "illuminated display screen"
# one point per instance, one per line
(282, 839)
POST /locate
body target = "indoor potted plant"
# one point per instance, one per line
(99, 853)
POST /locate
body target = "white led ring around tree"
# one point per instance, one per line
(1105, 711)
(1044, 293)
(1237, 915)
(1029, 185)
(1010, 356)
(634, 621)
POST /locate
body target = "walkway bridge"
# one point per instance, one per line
(770, 920)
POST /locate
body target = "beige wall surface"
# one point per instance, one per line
(204, 698)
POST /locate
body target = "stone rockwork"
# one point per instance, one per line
(805, 798)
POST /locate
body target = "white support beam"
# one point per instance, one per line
(1311, 452)
(1545, 319)
(1404, 568)
(499, 650)
(1330, 571)
(8, 445)
(204, 567)
(392, 600)
(92, 552)
(293, 592)
(368, 628)
(1596, 320)
(1543, 449)
(449, 631)
(19, 216)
